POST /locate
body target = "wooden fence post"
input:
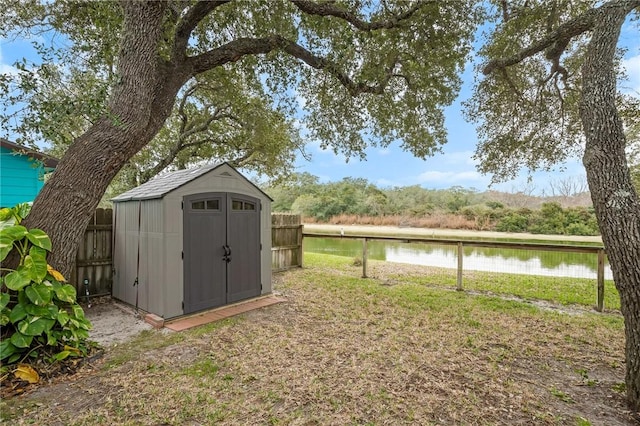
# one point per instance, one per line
(301, 245)
(460, 254)
(364, 258)
(600, 305)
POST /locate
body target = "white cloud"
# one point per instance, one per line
(460, 158)
(4, 67)
(435, 177)
(386, 183)
(632, 67)
(384, 151)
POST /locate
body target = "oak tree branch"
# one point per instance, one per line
(331, 9)
(557, 40)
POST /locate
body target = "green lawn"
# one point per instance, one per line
(401, 348)
(561, 290)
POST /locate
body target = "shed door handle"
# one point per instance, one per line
(227, 253)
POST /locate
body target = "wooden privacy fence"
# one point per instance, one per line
(286, 241)
(93, 271)
(599, 251)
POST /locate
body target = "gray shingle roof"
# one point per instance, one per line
(161, 185)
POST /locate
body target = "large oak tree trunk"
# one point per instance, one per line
(614, 198)
(139, 105)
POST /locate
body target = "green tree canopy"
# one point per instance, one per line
(528, 112)
(361, 73)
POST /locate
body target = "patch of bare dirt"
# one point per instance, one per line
(113, 322)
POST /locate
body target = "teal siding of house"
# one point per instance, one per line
(21, 178)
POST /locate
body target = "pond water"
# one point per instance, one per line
(531, 262)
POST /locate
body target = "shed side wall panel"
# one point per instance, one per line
(172, 248)
(119, 251)
(265, 239)
(126, 256)
(151, 278)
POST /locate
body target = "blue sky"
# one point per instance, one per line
(454, 166)
(388, 167)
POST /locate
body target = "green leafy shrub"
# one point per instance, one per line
(39, 316)
(494, 205)
(513, 222)
(550, 219)
(582, 221)
(580, 229)
(553, 219)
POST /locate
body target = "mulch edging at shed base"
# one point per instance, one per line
(202, 318)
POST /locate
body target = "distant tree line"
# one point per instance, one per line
(356, 200)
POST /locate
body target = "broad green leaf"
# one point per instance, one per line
(10, 217)
(39, 294)
(36, 310)
(7, 223)
(18, 313)
(17, 279)
(53, 311)
(78, 312)
(40, 254)
(6, 349)
(6, 214)
(6, 244)
(36, 264)
(51, 339)
(63, 317)
(39, 238)
(81, 334)
(48, 311)
(4, 319)
(23, 299)
(13, 358)
(35, 326)
(86, 324)
(19, 340)
(66, 293)
(15, 232)
(21, 210)
(61, 355)
(4, 300)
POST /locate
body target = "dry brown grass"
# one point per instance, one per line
(344, 350)
(436, 220)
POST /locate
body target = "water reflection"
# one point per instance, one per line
(532, 262)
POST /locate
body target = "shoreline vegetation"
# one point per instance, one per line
(357, 201)
(354, 228)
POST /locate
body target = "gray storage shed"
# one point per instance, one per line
(192, 240)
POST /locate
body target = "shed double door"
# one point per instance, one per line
(221, 249)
